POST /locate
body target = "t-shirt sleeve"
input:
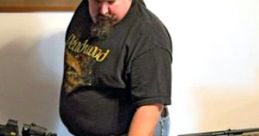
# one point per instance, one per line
(151, 77)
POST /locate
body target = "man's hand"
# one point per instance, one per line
(145, 120)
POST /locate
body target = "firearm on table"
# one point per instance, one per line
(228, 132)
(11, 129)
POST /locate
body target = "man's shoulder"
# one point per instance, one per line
(147, 22)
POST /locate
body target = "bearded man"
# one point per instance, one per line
(117, 71)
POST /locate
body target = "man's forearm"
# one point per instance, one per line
(145, 120)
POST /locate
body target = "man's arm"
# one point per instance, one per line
(145, 120)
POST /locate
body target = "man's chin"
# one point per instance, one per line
(100, 32)
(101, 28)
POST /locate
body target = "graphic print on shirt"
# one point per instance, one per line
(80, 59)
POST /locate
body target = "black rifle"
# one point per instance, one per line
(228, 132)
(11, 129)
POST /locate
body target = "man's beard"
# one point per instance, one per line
(103, 26)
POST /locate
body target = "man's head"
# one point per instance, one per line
(105, 14)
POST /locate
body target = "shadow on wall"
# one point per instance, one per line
(30, 80)
(257, 78)
(221, 108)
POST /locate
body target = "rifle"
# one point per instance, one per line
(11, 129)
(228, 132)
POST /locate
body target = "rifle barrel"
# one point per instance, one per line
(223, 133)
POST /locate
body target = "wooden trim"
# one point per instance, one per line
(36, 8)
(43, 5)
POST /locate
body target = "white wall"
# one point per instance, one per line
(31, 64)
(216, 63)
(215, 69)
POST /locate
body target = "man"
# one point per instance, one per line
(117, 74)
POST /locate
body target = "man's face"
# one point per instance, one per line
(106, 13)
(111, 8)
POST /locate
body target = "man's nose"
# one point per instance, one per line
(104, 8)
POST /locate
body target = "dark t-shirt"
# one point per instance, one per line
(105, 81)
